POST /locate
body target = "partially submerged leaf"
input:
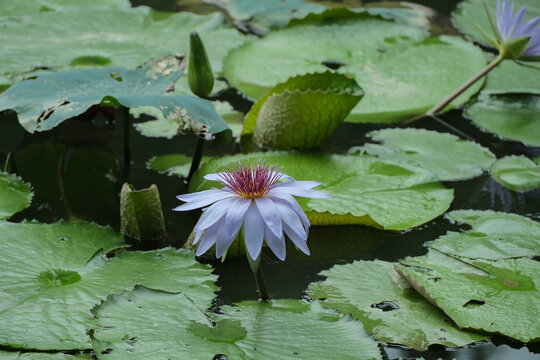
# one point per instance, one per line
(513, 117)
(494, 296)
(301, 112)
(54, 274)
(281, 329)
(15, 195)
(388, 59)
(365, 190)
(390, 309)
(517, 173)
(446, 155)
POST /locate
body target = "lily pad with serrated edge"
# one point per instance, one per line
(15, 195)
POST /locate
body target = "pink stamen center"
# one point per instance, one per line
(250, 181)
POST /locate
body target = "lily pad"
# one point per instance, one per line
(52, 275)
(389, 308)
(517, 173)
(494, 235)
(15, 195)
(301, 112)
(49, 99)
(150, 324)
(32, 7)
(388, 59)
(470, 13)
(15, 355)
(513, 117)
(446, 155)
(365, 190)
(115, 37)
(512, 78)
(494, 296)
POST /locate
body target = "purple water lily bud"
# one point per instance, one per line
(255, 198)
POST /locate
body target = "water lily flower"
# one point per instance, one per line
(257, 199)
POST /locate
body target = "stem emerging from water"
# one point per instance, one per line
(259, 278)
(455, 94)
(196, 159)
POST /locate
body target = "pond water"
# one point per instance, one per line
(98, 171)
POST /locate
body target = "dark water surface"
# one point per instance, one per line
(89, 155)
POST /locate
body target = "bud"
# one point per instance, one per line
(200, 75)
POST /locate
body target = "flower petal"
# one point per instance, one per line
(516, 22)
(213, 177)
(268, 212)
(235, 215)
(290, 218)
(208, 239)
(296, 239)
(223, 242)
(213, 214)
(276, 244)
(253, 231)
(202, 198)
(300, 192)
(298, 184)
(197, 237)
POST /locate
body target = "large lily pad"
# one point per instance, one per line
(509, 77)
(517, 173)
(49, 99)
(32, 7)
(446, 155)
(152, 325)
(301, 112)
(365, 190)
(389, 308)
(115, 37)
(494, 235)
(52, 275)
(472, 12)
(15, 195)
(15, 355)
(494, 296)
(389, 60)
(514, 117)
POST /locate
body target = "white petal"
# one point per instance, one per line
(297, 240)
(197, 237)
(299, 184)
(271, 217)
(202, 198)
(300, 192)
(294, 205)
(213, 214)
(223, 242)
(212, 177)
(208, 239)
(235, 215)
(253, 231)
(290, 218)
(276, 244)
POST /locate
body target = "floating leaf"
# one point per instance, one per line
(365, 190)
(52, 275)
(517, 173)
(141, 214)
(281, 329)
(12, 355)
(372, 292)
(115, 37)
(302, 112)
(389, 60)
(49, 99)
(33, 7)
(509, 77)
(494, 296)
(449, 157)
(513, 117)
(15, 195)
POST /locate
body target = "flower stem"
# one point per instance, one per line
(196, 159)
(256, 268)
(461, 89)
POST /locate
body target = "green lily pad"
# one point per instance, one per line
(494, 235)
(116, 36)
(15, 355)
(509, 77)
(52, 275)
(150, 324)
(446, 155)
(15, 195)
(470, 13)
(389, 308)
(49, 99)
(168, 127)
(388, 59)
(517, 173)
(33, 7)
(301, 112)
(513, 117)
(494, 296)
(365, 190)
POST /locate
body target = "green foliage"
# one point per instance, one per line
(54, 274)
(154, 325)
(15, 195)
(141, 214)
(15, 355)
(447, 156)
(517, 173)
(513, 117)
(498, 296)
(389, 308)
(388, 59)
(301, 112)
(365, 190)
(200, 75)
(512, 78)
